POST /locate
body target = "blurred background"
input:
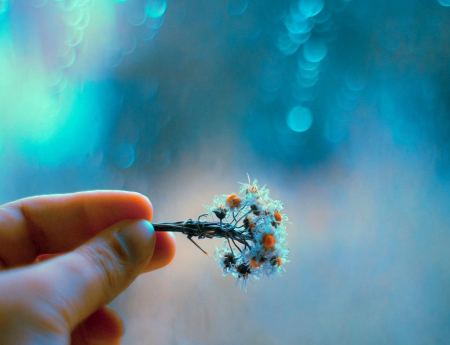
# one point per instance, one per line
(340, 106)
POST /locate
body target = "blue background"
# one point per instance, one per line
(340, 107)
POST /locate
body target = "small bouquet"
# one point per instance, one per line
(253, 229)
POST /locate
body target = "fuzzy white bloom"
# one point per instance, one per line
(258, 218)
(253, 228)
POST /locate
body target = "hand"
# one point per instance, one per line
(97, 244)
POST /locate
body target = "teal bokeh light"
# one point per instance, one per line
(155, 8)
(298, 24)
(299, 119)
(4, 6)
(62, 134)
(237, 7)
(124, 156)
(310, 8)
(314, 50)
(445, 3)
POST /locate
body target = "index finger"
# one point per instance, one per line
(59, 223)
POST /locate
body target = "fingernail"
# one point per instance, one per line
(139, 238)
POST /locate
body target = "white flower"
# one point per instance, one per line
(253, 228)
(258, 219)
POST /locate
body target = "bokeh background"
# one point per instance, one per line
(340, 106)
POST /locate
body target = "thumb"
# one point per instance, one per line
(78, 283)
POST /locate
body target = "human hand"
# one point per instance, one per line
(105, 241)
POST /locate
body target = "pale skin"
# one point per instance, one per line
(64, 257)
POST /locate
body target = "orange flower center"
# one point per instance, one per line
(233, 201)
(268, 241)
(254, 264)
(279, 262)
(277, 216)
(252, 189)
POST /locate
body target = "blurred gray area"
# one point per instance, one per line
(188, 112)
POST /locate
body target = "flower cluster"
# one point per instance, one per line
(260, 223)
(253, 229)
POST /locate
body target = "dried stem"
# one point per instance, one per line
(203, 229)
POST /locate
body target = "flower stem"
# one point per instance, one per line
(204, 229)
